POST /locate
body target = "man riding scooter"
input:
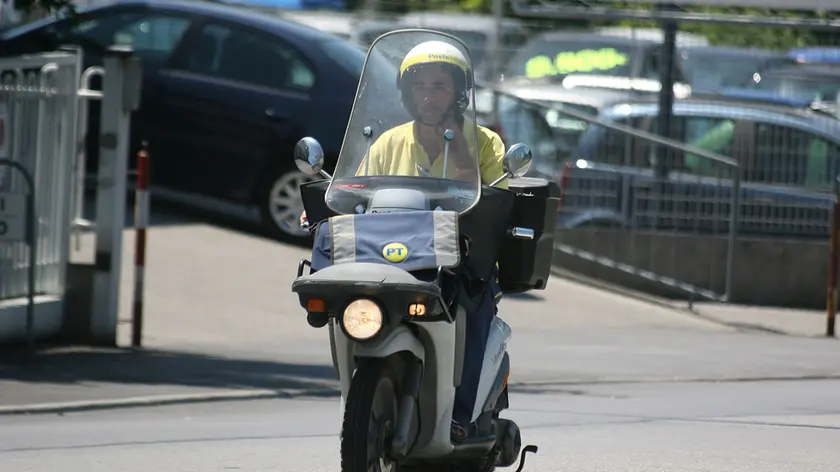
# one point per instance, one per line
(434, 81)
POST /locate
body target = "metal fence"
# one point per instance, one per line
(38, 100)
(619, 214)
(765, 97)
(86, 96)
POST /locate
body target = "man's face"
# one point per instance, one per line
(434, 92)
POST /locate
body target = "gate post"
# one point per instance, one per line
(121, 95)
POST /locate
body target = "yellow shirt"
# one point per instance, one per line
(397, 152)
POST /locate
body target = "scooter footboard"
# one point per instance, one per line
(495, 367)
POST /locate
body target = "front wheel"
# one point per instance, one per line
(370, 417)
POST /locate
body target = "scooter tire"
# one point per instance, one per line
(373, 388)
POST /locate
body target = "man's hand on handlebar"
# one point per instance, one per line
(304, 222)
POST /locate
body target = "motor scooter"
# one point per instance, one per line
(398, 262)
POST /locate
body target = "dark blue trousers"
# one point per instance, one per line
(479, 321)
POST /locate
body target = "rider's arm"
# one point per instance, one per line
(492, 155)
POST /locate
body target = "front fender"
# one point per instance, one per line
(399, 339)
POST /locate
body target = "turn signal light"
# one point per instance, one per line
(417, 309)
(316, 305)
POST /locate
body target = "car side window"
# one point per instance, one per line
(151, 35)
(715, 135)
(711, 134)
(786, 155)
(617, 148)
(239, 55)
(523, 122)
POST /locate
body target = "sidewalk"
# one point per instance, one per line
(791, 322)
(63, 379)
(221, 323)
(782, 321)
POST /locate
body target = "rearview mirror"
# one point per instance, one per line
(309, 156)
(517, 161)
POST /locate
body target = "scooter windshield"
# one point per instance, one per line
(412, 140)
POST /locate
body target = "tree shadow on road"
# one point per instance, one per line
(160, 368)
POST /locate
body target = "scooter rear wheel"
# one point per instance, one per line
(370, 416)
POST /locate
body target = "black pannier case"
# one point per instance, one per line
(526, 264)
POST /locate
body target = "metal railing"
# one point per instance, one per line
(38, 94)
(86, 95)
(617, 213)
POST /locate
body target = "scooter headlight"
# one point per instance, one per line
(362, 319)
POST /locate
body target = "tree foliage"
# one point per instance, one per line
(725, 35)
(746, 36)
(739, 36)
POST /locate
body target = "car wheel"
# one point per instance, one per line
(281, 206)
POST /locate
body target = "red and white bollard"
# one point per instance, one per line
(141, 221)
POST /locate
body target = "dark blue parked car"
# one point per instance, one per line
(226, 95)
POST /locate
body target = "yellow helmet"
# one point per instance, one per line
(437, 52)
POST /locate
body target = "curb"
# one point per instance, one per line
(618, 289)
(524, 386)
(162, 400)
(676, 306)
(220, 396)
(265, 394)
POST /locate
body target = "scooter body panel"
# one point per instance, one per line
(500, 334)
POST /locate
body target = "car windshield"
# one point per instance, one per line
(351, 57)
(800, 87)
(369, 34)
(17, 29)
(548, 57)
(710, 70)
(348, 56)
(397, 135)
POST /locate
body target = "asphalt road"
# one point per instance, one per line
(602, 382)
(736, 427)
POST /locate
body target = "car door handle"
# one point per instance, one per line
(273, 115)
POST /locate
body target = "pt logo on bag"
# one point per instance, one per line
(395, 252)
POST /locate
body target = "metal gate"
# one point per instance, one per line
(38, 129)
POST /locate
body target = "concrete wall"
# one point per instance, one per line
(48, 319)
(766, 271)
(58, 319)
